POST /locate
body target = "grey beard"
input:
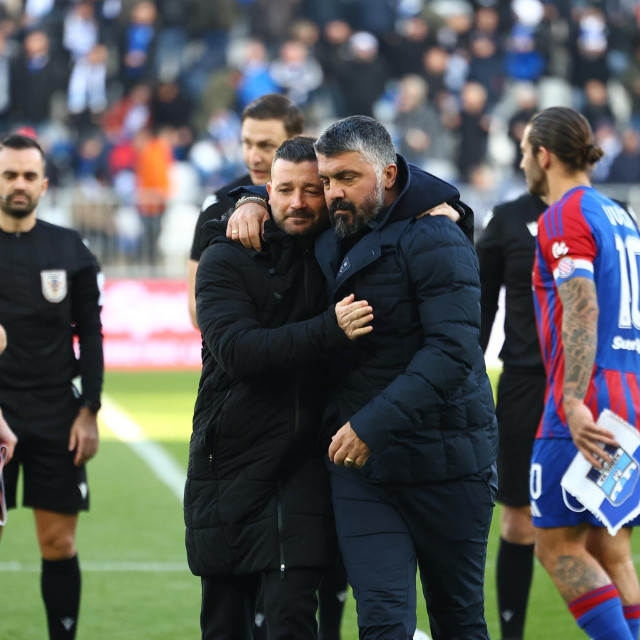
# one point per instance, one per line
(370, 210)
(344, 229)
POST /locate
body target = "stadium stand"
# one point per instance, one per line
(453, 80)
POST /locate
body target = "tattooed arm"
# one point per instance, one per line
(580, 340)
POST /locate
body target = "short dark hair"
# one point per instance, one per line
(566, 133)
(19, 141)
(361, 134)
(274, 106)
(297, 150)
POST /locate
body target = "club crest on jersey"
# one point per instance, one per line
(566, 267)
(618, 479)
(54, 285)
(559, 249)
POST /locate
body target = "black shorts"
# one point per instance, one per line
(519, 407)
(42, 421)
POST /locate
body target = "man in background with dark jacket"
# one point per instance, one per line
(506, 252)
(415, 437)
(257, 505)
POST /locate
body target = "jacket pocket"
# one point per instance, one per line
(212, 430)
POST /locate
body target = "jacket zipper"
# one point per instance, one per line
(280, 531)
(215, 415)
(296, 412)
(296, 425)
(305, 269)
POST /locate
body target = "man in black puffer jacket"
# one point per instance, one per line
(257, 506)
(414, 432)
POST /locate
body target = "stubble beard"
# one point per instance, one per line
(537, 183)
(18, 213)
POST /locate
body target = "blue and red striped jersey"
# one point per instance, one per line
(587, 235)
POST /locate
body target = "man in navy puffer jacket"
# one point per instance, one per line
(413, 474)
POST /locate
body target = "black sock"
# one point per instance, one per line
(513, 576)
(60, 584)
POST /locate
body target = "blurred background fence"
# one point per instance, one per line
(129, 244)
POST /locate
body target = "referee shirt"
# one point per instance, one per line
(49, 292)
(506, 251)
(213, 208)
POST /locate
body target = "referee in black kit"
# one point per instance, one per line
(49, 293)
(506, 251)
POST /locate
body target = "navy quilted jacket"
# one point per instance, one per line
(415, 389)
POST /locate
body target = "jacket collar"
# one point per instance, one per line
(418, 191)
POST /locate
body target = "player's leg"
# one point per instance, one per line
(614, 554)
(291, 603)
(57, 491)
(332, 596)
(60, 579)
(582, 582)
(514, 569)
(451, 543)
(520, 403)
(379, 557)
(562, 525)
(228, 606)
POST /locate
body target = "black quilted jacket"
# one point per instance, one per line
(256, 496)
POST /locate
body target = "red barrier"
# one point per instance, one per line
(146, 326)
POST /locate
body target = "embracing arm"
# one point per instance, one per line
(580, 341)
(227, 316)
(246, 224)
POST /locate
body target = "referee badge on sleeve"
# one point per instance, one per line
(54, 285)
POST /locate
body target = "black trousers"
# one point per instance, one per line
(228, 605)
(386, 532)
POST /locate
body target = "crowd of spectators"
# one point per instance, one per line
(123, 91)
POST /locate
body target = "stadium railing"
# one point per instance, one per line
(131, 245)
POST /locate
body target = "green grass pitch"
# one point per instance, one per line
(136, 585)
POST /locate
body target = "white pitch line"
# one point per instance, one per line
(164, 467)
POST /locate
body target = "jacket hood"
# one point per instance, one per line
(419, 191)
